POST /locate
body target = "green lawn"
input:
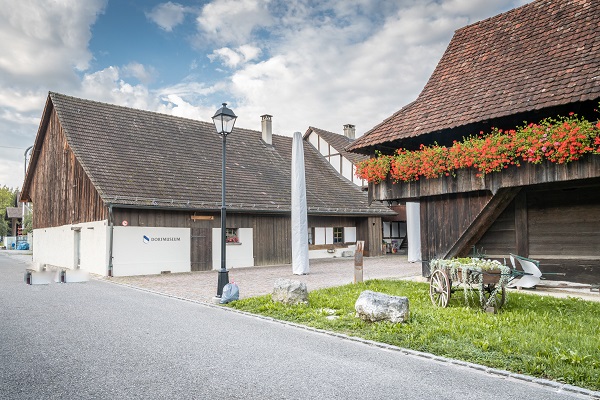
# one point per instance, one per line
(546, 337)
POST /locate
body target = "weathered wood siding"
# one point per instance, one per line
(370, 230)
(61, 192)
(444, 219)
(558, 224)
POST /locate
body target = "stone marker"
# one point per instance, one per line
(373, 306)
(288, 291)
(358, 261)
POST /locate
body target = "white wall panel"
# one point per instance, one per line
(148, 250)
(319, 235)
(350, 234)
(328, 235)
(237, 255)
(323, 146)
(56, 246)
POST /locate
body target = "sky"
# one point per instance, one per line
(321, 63)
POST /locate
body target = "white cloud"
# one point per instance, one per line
(107, 86)
(233, 21)
(41, 39)
(234, 58)
(43, 46)
(167, 15)
(339, 63)
(12, 169)
(144, 74)
(323, 63)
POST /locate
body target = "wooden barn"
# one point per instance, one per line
(536, 61)
(120, 191)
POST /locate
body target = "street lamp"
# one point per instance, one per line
(224, 119)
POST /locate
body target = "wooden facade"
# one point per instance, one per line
(548, 212)
(60, 187)
(272, 232)
(82, 171)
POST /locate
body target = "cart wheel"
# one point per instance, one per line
(499, 299)
(439, 288)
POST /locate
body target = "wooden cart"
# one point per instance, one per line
(490, 283)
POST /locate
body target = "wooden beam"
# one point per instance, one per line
(202, 217)
(482, 222)
(521, 225)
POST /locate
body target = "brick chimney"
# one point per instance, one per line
(267, 129)
(350, 131)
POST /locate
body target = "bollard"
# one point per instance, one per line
(28, 278)
(358, 261)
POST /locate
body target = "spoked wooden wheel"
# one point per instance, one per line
(439, 288)
(498, 300)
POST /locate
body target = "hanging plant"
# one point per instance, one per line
(470, 273)
(559, 140)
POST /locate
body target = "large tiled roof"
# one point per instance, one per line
(142, 158)
(543, 54)
(339, 143)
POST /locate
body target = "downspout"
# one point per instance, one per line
(110, 239)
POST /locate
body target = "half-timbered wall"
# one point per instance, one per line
(61, 192)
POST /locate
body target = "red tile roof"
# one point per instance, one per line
(543, 54)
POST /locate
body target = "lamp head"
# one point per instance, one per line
(224, 119)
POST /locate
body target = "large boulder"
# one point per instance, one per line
(289, 291)
(374, 306)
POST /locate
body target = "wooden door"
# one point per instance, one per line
(201, 248)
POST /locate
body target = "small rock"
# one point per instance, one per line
(288, 291)
(373, 306)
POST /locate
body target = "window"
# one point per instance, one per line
(231, 235)
(394, 230)
(311, 236)
(338, 235)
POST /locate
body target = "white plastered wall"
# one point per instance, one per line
(237, 255)
(149, 250)
(413, 228)
(56, 246)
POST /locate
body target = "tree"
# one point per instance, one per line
(27, 223)
(8, 198)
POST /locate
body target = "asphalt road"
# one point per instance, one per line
(97, 340)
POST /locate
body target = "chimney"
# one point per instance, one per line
(267, 129)
(350, 131)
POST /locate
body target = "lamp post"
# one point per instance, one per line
(224, 119)
(24, 175)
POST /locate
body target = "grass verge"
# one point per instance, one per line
(546, 337)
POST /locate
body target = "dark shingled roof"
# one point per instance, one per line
(14, 212)
(339, 143)
(143, 158)
(540, 55)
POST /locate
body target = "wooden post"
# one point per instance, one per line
(358, 261)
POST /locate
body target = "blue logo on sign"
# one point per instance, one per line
(146, 239)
